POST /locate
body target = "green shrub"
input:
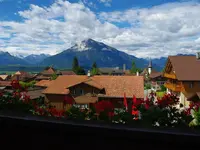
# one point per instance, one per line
(147, 86)
(27, 84)
(163, 88)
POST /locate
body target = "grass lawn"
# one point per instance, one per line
(160, 94)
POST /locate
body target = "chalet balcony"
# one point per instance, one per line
(176, 87)
(171, 76)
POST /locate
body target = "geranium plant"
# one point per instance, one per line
(150, 112)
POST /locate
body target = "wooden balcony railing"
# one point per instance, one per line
(177, 87)
(171, 76)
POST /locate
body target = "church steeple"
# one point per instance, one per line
(150, 66)
(150, 63)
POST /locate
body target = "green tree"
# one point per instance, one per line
(75, 64)
(163, 88)
(94, 65)
(76, 68)
(95, 69)
(133, 68)
(54, 76)
(80, 71)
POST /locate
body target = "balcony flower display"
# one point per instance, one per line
(151, 111)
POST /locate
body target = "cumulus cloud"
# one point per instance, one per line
(158, 31)
(106, 2)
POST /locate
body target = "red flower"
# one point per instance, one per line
(56, 113)
(40, 111)
(110, 114)
(167, 100)
(15, 85)
(138, 102)
(25, 97)
(1, 94)
(146, 106)
(104, 106)
(135, 112)
(125, 101)
(17, 95)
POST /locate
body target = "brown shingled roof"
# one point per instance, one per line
(35, 93)
(85, 99)
(115, 86)
(5, 83)
(48, 71)
(44, 83)
(145, 71)
(155, 74)
(187, 68)
(67, 72)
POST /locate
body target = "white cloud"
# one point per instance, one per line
(106, 2)
(158, 31)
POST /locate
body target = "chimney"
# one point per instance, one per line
(198, 55)
(88, 74)
(124, 67)
(137, 73)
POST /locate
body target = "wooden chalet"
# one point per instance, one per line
(183, 77)
(5, 85)
(84, 91)
(23, 76)
(46, 74)
(5, 77)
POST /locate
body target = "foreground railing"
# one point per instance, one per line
(45, 133)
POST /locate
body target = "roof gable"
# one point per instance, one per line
(186, 68)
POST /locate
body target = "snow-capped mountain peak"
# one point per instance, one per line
(18, 55)
(80, 46)
(90, 44)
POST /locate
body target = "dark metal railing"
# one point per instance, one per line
(44, 133)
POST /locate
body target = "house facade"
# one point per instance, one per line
(183, 77)
(157, 80)
(85, 91)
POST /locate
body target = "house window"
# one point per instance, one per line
(93, 91)
(82, 106)
(191, 85)
(74, 91)
(82, 92)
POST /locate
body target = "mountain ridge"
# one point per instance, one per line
(89, 51)
(35, 59)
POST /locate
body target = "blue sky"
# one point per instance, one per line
(144, 28)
